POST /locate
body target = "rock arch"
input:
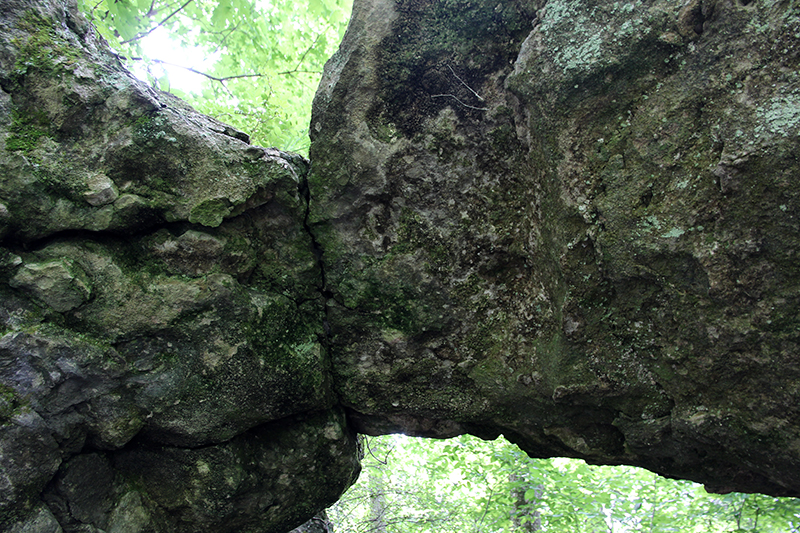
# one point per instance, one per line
(572, 223)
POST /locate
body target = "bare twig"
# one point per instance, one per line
(470, 89)
(479, 97)
(222, 79)
(288, 72)
(485, 510)
(303, 57)
(385, 459)
(460, 102)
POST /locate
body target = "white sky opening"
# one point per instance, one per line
(159, 46)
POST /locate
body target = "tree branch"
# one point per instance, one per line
(158, 25)
(289, 72)
(303, 57)
(479, 97)
(470, 89)
(460, 102)
(222, 79)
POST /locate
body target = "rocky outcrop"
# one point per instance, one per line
(161, 362)
(570, 222)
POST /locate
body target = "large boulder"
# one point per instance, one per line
(571, 222)
(162, 359)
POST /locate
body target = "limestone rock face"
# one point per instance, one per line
(571, 222)
(161, 362)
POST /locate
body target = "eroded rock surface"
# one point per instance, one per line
(161, 363)
(571, 222)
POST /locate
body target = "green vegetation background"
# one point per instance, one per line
(267, 56)
(466, 485)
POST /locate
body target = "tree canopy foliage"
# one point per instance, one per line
(467, 485)
(264, 58)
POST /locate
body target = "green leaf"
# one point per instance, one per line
(220, 15)
(317, 7)
(286, 45)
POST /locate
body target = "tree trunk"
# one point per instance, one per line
(525, 515)
(377, 486)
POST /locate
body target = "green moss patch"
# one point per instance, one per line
(26, 129)
(38, 52)
(10, 404)
(210, 212)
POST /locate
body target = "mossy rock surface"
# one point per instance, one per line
(567, 221)
(159, 299)
(571, 222)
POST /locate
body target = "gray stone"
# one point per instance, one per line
(130, 515)
(31, 456)
(40, 521)
(318, 524)
(57, 283)
(255, 482)
(140, 312)
(581, 234)
(83, 493)
(101, 191)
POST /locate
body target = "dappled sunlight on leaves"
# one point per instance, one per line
(470, 485)
(254, 64)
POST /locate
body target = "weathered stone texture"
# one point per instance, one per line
(161, 367)
(571, 222)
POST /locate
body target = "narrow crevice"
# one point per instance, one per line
(125, 235)
(316, 248)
